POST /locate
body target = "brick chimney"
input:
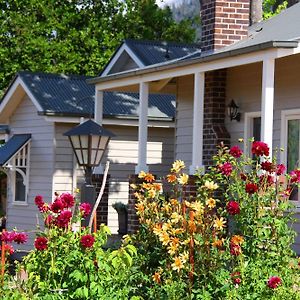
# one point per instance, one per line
(223, 22)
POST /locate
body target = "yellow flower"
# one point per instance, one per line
(142, 174)
(140, 208)
(178, 165)
(171, 178)
(175, 217)
(166, 226)
(183, 179)
(210, 185)
(184, 257)
(237, 240)
(177, 231)
(156, 277)
(146, 186)
(211, 203)
(151, 193)
(197, 206)
(157, 229)
(173, 247)
(164, 238)
(133, 186)
(138, 195)
(174, 202)
(177, 265)
(219, 223)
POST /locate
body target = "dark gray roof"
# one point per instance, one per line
(153, 52)
(12, 146)
(63, 95)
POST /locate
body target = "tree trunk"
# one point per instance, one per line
(255, 11)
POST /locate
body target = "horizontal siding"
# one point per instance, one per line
(26, 120)
(123, 156)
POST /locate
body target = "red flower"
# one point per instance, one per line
(38, 200)
(20, 237)
(233, 207)
(235, 151)
(295, 176)
(49, 220)
(274, 282)
(235, 249)
(260, 149)
(87, 241)
(236, 277)
(280, 169)
(9, 248)
(85, 209)
(41, 243)
(251, 188)
(243, 176)
(225, 168)
(7, 236)
(266, 179)
(67, 199)
(267, 166)
(64, 218)
(57, 205)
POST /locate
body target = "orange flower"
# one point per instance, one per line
(237, 240)
(157, 186)
(140, 207)
(174, 202)
(156, 277)
(171, 178)
(149, 177)
(218, 243)
(192, 226)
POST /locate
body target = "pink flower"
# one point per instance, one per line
(235, 249)
(85, 209)
(251, 188)
(267, 166)
(295, 176)
(9, 248)
(20, 237)
(236, 277)
(49, 220)
(233, 207)
(38, 200)
(273, 282)
(260, 148)
(57, 205)
(235, 151)
(41, 243)
(7, 236)
(64, 218)
(280, 169)
(87, 241)
(225, 168)
(67, 199)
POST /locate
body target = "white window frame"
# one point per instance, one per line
(248, 129)
(286, 115)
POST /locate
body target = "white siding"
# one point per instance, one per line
(122, 154)
(26, 120)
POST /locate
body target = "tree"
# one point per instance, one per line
(77, 36)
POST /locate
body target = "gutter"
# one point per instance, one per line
(187, 62)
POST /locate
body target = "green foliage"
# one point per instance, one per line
(77, 37)
(272, 8)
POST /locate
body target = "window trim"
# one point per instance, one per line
(248, 129)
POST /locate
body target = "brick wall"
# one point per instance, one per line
(214, 130)
(223, 22)
(102, 210)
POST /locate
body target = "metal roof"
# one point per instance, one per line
(12, 146)
(62, 95)
(153, 52)
(281, 31)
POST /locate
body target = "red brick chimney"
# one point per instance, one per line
(223, 22)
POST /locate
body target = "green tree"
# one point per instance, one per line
(77, 36)
(274, 7)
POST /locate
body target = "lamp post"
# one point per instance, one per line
(89, 141)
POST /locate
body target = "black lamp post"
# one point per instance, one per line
(89, 141)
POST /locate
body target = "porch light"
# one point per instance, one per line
(233, 112)
(89, 141)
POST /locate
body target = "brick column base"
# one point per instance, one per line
(102, 210)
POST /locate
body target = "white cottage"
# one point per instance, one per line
(255, 66)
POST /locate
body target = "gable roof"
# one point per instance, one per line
(62, 95)
(281, 31)
(145, 53)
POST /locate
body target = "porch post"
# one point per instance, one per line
(143, 128)
(98, 106)
(267, 102)
(198, 115)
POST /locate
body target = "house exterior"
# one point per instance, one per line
(255, 66)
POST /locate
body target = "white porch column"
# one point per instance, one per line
(143, 128)
(98, 106)
(198, 115)
(267, 102)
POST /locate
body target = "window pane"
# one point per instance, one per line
(20, 188)
(293, 145)
(256, 128)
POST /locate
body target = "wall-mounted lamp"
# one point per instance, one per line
(233, 111)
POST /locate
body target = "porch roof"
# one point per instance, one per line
(12, 147)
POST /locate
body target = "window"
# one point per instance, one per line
(251, 130)
(20, 188)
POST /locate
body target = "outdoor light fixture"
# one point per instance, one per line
(233, 112)
(89, 141)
